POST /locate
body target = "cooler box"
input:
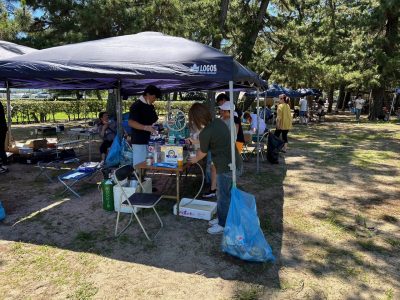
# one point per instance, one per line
(130, 188)
(197, 209)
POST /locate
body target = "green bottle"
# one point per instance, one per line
(108, 194)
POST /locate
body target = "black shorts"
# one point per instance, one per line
(105, 146)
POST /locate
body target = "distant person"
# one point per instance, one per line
(283, 120)
(303, 111)
(142, 115)
(351, 106)
(107, 130)
(269, 114)
(359, 104)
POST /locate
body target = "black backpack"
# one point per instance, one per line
(275, 145)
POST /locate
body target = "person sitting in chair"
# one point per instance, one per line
(252, 119)
(107, 130)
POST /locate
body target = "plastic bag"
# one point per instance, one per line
(243, 237)
(2, 212)
(126, 153)
(113, 156)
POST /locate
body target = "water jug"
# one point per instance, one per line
(108, 194)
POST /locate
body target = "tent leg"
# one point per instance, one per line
(258, 130)
(233, 136)
(118, 107)
(9, 120)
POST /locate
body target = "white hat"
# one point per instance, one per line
(226, 106)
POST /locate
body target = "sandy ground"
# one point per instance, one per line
(330, 211)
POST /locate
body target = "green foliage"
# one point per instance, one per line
(44, 110)
(308, 43)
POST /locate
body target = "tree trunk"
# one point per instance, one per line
(217, 38)
(330, 97)
(245, 48)
(341, 97)
(98, 95)
(378, 96)
(112, 104)
(347, 98)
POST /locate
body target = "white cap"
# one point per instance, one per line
(226, 106)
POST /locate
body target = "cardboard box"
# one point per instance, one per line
(172, 153)
(130, 189)
(197, 209)
(36, 144)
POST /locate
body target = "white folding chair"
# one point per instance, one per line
(138, 200)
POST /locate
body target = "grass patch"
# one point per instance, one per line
(361, 220)
(85, 240)
(370, 246)
(395, 243)
(84, 291)
(369, 158)
(389, 219)
(251, 292)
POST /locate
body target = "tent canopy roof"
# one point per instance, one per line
(8, 50)
(134, 61)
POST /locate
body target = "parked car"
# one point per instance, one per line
(42, 96)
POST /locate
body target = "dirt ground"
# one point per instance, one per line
(330, 211)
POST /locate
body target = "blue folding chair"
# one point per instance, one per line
(70, 178)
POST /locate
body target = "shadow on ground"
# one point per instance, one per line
(39, 215)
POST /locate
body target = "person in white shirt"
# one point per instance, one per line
(253, 119)
(303, 110)
(359, 103)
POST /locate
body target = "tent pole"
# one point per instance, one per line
(9, 120)
(265, 107)
(84, 106)
(118, 107)
(258, 130)
(233, 137)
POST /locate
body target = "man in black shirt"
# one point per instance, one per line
(142, 115)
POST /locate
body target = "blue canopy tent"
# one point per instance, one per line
(128, 64)
(9, 50)
(309, 92)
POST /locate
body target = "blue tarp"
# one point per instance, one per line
(171, 63)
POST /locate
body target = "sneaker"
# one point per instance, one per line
(216, 229)
(210, 194)
(3, 169)
(213, 222)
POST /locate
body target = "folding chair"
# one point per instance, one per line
(139, 200)
(253, 144)
(72, 177)
(46, 167)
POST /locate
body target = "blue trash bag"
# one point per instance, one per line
(113, 156)
(2, 212)
(243, 237)
(126, 157)
(126, 127)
